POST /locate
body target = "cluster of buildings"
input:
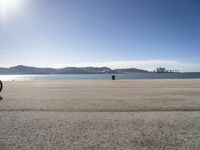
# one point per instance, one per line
(163, 70)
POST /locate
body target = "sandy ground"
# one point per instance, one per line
(134, 114)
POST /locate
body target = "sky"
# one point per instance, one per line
(142, 34)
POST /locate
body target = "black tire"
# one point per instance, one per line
(1, 86)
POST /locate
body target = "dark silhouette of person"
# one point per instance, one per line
(113, 77)
(1, 87)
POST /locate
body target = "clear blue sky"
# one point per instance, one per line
(117, 33)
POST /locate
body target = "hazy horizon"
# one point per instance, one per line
(119, 65)
(139, 34)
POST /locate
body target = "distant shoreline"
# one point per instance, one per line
(102, 73)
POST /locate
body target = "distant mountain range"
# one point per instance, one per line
(68, 70)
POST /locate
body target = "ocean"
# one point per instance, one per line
(100, 76)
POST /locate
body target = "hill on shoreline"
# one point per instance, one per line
(20, 69)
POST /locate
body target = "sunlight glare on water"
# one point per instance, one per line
(99, 76)
(15, 77)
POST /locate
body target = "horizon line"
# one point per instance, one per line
(148, 65)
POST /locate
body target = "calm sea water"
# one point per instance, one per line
(100, 76)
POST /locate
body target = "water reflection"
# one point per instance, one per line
(16, 77)
(100, 76)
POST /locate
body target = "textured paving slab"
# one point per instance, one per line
(99, 130)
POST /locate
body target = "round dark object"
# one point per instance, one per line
(1, 86)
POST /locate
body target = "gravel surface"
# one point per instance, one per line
(135, 114)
